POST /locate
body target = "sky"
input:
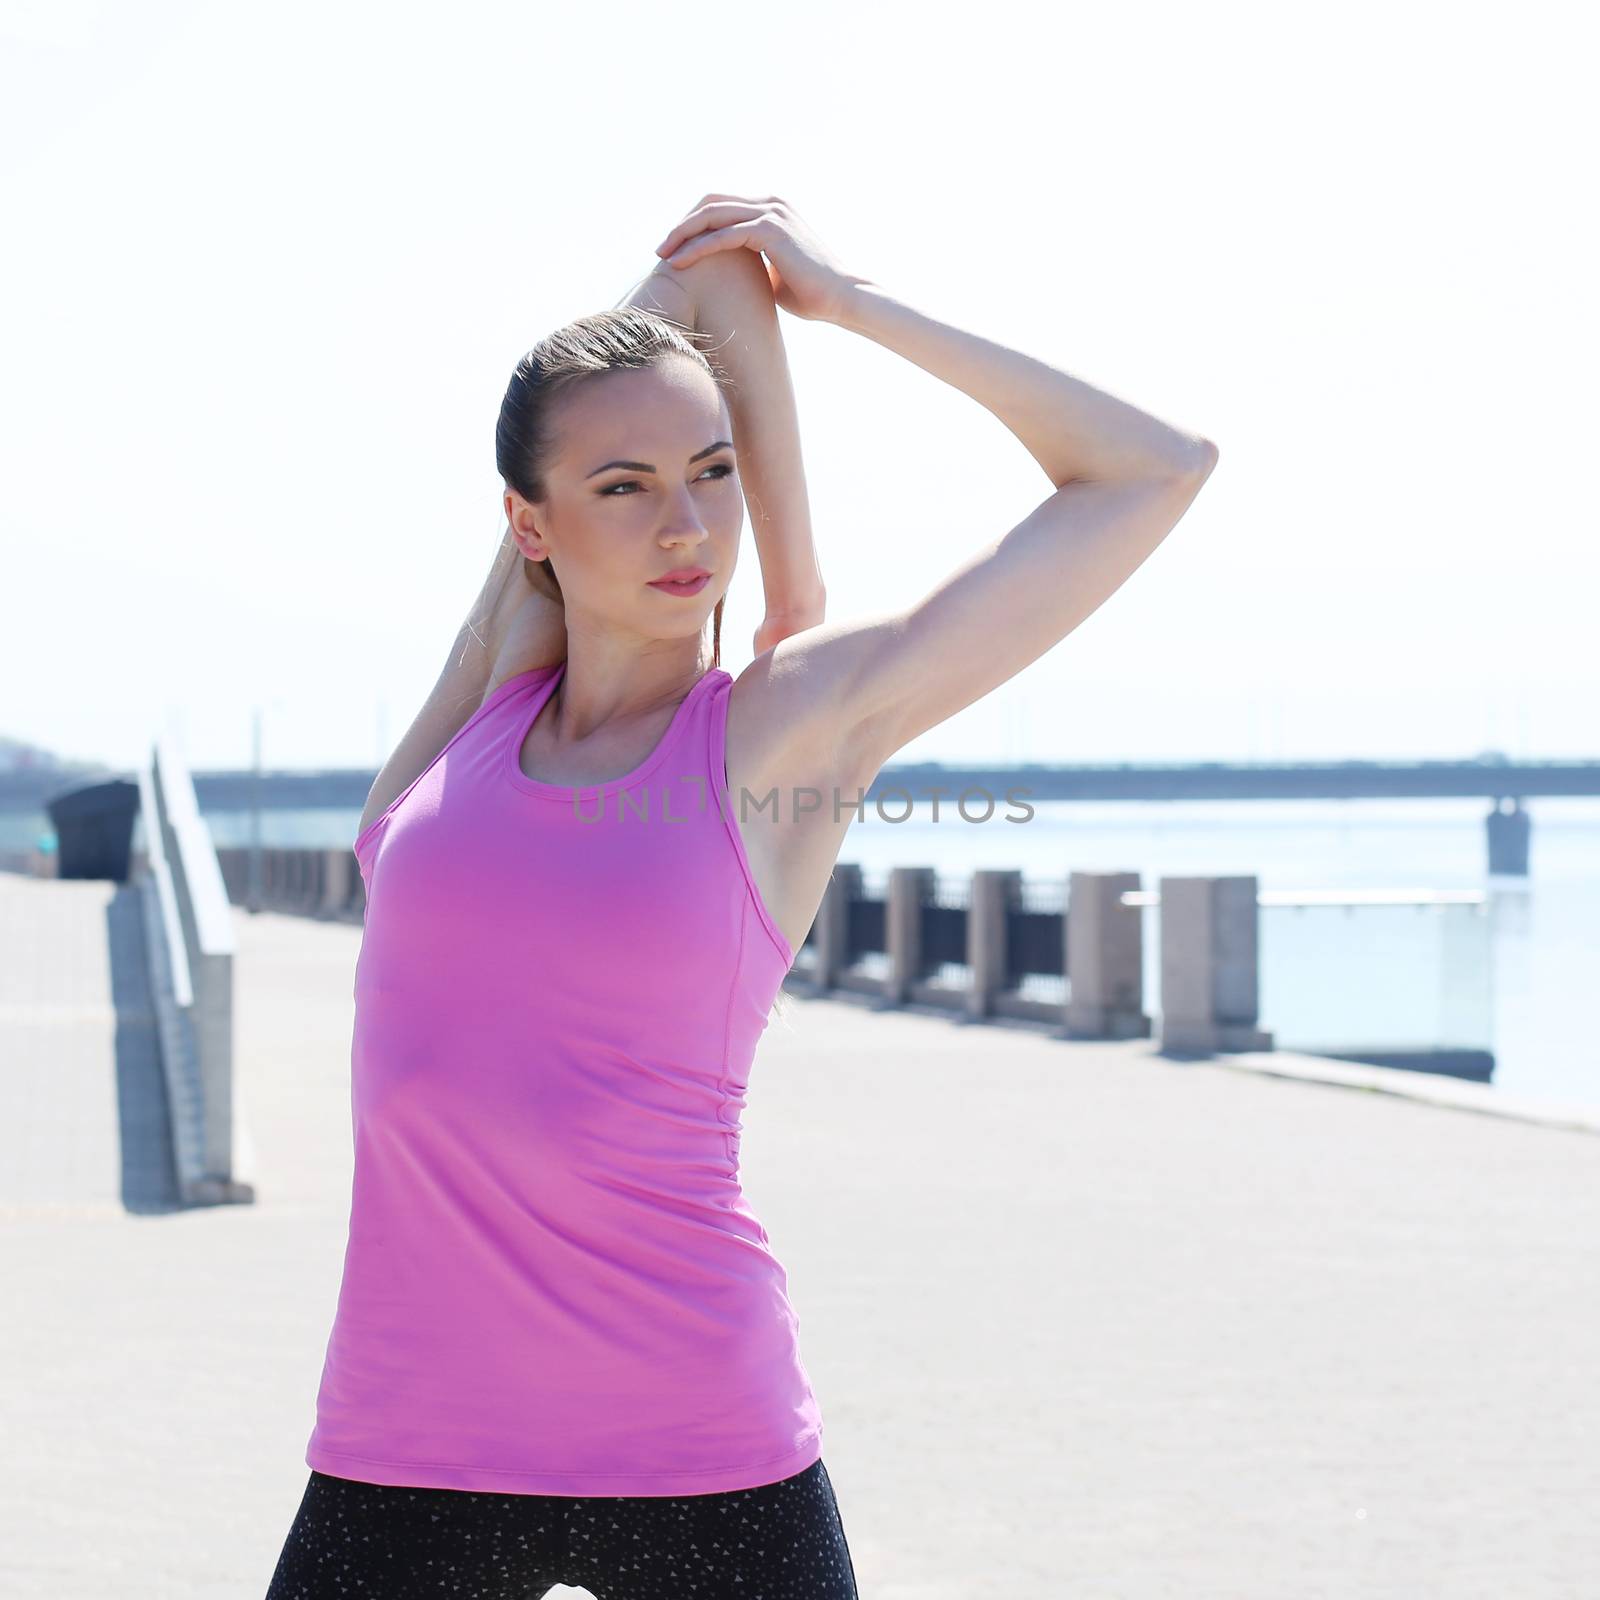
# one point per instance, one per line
(269, 270)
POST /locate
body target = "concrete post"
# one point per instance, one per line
(832, 928)
(1509, 833)
(338, 868)
(314, 863)
(1209, 980)
(1104, 948)
(909, 890)
(992, 893)
(211, 974)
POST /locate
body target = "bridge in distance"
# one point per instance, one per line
(1502, 783)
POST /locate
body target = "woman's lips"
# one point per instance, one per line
(693, 586)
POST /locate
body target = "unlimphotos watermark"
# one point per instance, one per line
(688, 799)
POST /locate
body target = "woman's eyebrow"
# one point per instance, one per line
(644, 466)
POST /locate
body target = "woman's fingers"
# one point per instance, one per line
(734, 236)
(715, 211)
(805, 279)
(718, 214)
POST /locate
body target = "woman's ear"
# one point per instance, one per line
(523, 528)
(530, 544)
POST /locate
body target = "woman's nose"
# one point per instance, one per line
(686, 528)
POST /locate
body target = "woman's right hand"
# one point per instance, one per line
(530, 631)
(519, 618)
(784, 624)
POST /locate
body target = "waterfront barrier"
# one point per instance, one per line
(1000, 947)
(189, 949)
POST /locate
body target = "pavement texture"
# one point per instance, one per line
(1083, 1321)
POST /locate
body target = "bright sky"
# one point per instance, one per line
(268, 273)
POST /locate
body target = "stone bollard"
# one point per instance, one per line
(910, 888)
(315, 864)
(1104, 949)
(1209, 982)
(992, 894)
(832, 938)
(338, 867)
(1509, 834)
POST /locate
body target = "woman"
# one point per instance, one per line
(564, 1350)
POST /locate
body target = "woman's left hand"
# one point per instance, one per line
(806, 281)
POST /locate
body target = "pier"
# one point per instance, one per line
(1083, 1319)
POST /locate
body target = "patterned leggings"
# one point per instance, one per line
(780, 1541)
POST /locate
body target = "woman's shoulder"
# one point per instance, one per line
(789, 720)
(506, 688)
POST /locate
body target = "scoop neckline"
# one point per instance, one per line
(589, 791)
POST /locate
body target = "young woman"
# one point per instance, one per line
(564, 1350)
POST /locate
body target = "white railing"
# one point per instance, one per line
(189, 946)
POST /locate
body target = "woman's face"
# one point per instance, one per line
(645, 481)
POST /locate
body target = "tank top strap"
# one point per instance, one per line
(517, 683)
(716, 737)
(681, 754)
(678, 764)
(490, 710)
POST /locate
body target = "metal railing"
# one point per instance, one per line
(189, 945)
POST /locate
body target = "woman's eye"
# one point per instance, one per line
(721, 468)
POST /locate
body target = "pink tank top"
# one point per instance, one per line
(553, 1283)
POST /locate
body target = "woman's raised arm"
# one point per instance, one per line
(728, 298)
(509, 628)
(1122, 479)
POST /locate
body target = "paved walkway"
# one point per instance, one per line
(1084, 1322)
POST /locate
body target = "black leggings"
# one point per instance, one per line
(780, 1541)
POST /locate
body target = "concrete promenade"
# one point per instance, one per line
(1084, 1322)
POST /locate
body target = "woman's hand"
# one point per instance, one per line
(519, 621)
(532, 632)
(806, 281)
(785, 624)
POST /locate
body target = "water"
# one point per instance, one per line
(1541, 943)
(1542, 946)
